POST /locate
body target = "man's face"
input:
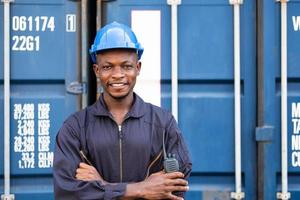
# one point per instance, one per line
(117, 70)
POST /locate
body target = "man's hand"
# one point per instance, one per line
(87, 172)
(159, 185)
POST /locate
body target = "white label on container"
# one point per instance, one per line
(296, 23)
(149, 35)
(29, 24)
(295, 140)
(25, 138)
(45, 157)
(71, 23)
(25, 43)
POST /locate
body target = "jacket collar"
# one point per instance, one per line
(137, 110)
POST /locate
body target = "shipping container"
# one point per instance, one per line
(217, 65)
(44, 61)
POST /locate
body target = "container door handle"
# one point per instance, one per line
(76, 88)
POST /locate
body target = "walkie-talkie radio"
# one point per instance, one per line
(170, 162)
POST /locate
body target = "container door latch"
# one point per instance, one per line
(76, 88)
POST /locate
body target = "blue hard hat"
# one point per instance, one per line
(115, 36)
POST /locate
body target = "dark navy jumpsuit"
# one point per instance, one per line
(121, 154)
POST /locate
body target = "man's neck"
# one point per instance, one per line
(118, 107)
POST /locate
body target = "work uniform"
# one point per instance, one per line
(121, 154)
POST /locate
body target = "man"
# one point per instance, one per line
(114, 148)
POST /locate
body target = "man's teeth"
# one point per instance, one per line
(117, 84)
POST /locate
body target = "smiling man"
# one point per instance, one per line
(116, 148)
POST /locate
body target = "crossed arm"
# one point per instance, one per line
(159, 185)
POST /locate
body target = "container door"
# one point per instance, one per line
(44, 62)
(206, 96)
(293, 24)
(206, 92)
(269, 98)
(293, 104)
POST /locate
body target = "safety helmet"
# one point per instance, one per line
(114, 36)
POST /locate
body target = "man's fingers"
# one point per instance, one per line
(174, 197)
(85, 177)
(173, 175)
(84, 165)
(178, 188)
(80, 177)
(179, 182)
(85, 171)
(82, 170)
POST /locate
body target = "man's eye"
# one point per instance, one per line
(106, 67)
(127, 67)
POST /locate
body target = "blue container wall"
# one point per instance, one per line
(206, 72)
(271, 111)
(44, 60)
(206, 100)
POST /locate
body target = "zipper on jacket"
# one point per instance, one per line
(121, 157)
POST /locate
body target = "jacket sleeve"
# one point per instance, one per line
(66, 161)
(175, 144)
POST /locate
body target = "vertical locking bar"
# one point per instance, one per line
(174, 4)
(98, 26)
(238, 194)
(284, 194)
(7, 195)
(84, 49)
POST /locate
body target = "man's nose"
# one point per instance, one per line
(118, 72)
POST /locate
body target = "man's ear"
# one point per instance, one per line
(96, 70)
(139, 67)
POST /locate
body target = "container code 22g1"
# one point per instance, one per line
(30, 24)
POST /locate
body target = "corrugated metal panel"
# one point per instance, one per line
(270, 112)
(206, 104)
(44, 61)
(206, 108)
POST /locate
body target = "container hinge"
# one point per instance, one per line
(264, 133)
(237, 195)
(76, 88)
(283, 196)
(234, 2)
(174, 2)
(7, 197)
